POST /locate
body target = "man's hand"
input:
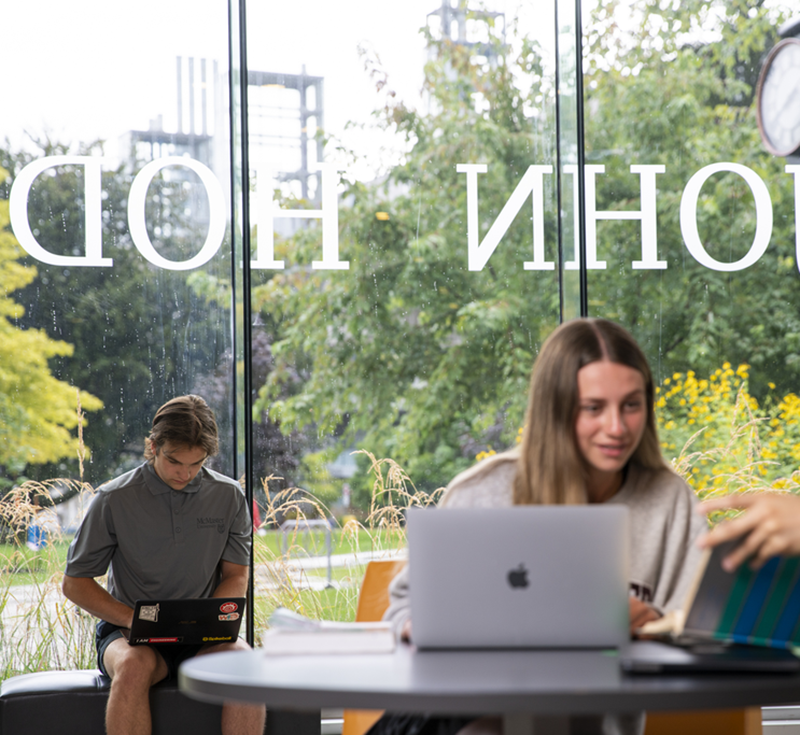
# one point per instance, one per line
(770, 526)
(640, 613)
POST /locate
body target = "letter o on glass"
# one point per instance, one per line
(136, 213)
(691, 236)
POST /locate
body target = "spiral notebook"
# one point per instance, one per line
(754, 607)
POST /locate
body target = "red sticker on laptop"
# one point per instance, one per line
(228, 607)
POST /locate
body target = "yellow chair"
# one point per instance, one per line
(373, 599)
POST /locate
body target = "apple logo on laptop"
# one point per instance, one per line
(518, 578)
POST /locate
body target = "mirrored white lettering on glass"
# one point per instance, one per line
(478, 252)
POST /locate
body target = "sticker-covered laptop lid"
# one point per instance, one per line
(192, 621)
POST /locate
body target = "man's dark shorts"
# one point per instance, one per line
(174, 655)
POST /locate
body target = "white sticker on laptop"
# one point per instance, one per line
(149, 613)
(229, 616)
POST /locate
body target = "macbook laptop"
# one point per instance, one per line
(205, 620)
(527, 576)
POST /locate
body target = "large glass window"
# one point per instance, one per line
(116, 167)
(354, 241)
(115, 260)
(403, 315)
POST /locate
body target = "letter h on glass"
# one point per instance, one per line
(267, 213)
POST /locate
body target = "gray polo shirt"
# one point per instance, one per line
(156, 542)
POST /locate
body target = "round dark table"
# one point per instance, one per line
(543, 686)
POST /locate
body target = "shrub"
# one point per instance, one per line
(721, 440)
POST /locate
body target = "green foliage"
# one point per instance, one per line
(317, 479)
(408, 353)
(721, 439)
(140, 335)
(37, 412)
(675, 85)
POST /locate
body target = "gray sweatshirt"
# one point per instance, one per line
(664, 528)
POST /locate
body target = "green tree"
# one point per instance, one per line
(141, 334)
(409, 354)
(675, 85)
(38, 412)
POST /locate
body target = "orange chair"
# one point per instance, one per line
(373, 599)
(709, 722)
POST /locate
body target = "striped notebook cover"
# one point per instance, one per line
(754, 607)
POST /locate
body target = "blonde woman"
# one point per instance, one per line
(590, 437)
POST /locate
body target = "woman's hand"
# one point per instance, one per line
(770, 526)
(640, 613)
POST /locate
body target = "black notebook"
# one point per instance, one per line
(204, 620)
(653, 657)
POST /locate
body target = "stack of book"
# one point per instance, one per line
(290, 633)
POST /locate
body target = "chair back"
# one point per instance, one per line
(708, 722)
(373, 600)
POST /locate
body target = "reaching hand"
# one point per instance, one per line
(640, 613)
(770, 526)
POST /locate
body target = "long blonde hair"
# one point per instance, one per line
(551, 469)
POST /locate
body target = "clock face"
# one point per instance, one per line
(778, 108)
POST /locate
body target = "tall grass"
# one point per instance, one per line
(41, 630)
(284, 584)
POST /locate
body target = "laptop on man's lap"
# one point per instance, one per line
(191, 621)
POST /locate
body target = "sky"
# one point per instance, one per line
(77, 71)
(89, 69)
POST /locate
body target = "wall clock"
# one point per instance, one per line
(778, 98)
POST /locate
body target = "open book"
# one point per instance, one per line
(290, 633)
(753, 607)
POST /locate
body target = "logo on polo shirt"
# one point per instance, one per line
(218, 523)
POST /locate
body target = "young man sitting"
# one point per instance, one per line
(149, 530)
